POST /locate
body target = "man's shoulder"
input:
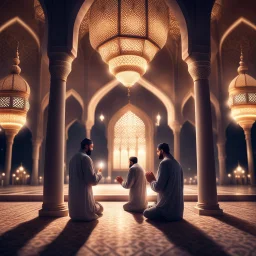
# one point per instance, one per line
(136, 167)
(82, 155)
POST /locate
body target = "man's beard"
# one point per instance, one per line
(130, 165)
(161, 156)
(88, 152)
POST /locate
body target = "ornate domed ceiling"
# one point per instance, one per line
(174, 29)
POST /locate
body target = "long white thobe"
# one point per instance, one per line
(169, 186)
(82, 177)
(136, 182)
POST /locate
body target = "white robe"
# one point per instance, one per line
(82, 177)
(169, 186)
(136, 182)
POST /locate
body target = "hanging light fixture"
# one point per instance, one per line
(128, 34)
(14, 105)
(102, 118)
(242, 102)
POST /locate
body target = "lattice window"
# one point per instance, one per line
(240, 98)
(18, 102)
(4, 102)
(129, 140)
(252, 97)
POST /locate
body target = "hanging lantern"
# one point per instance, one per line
(242, 96)
(128, 34)
(14, 94)
(14, 105)
(242, 101)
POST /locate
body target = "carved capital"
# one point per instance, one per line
(60, 66)
(199, 69)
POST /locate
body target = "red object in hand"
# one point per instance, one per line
(150, 176)
(119, 179)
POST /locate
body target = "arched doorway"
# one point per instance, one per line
(130, 133)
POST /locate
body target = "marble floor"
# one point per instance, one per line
(121, 233)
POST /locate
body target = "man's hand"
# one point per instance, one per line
(119, 179)
(150, 176)
(100, 170)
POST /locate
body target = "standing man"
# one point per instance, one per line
(136, 182)
(168, 185)
(82, 177)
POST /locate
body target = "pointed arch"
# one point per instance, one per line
(69, 93)
(233, 26)
(149, 134)
(213, 100)
(143, 82)
(24, 25)
(68, 126)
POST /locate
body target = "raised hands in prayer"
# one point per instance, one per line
(150, 176)
(119, 179)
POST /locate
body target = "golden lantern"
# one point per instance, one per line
(14, 105)
(128, 34)
(242, 102)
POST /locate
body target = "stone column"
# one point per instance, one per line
(53, 197)
(222, 162)
(176, 133)
(247, 133)
(207, 191)
(65, 161)
(35, 157)
(10, 134)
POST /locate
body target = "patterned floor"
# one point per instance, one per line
(121, 233)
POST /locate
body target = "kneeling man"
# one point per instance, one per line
(82, 177)
(168, 185)
(136, 182)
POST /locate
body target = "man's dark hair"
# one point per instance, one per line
(164, 147)
(86, 142)
(134, 159)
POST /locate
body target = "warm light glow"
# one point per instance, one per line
(158, 118)
(242, 171)
(3, 174)
(129, 140)
(190, 178)
(229, 175)
(101, 165)
(128, 78)
(248, 175)
(128, 34)
(102, 118)
(239, 168)
(21, 168)
(40, 177)
(234, 171)
(14, 175)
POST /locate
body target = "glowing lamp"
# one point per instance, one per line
(229, 175)
(127, 34)
(242, 96)
(14, 105)
(242, 102)
(102, 118)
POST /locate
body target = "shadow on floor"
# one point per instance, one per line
(188, 238)
(71, 239)
(238, 223)
(138, 217)
(16, 238)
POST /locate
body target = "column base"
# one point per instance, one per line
(208, 211)
(60, 211)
